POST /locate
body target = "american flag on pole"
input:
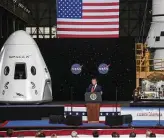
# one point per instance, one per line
(87, 18)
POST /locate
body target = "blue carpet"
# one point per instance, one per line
(45, 123)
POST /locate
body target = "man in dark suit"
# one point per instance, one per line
(94, 87)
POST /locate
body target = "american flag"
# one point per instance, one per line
(87, 18)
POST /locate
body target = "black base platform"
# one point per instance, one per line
(38, 112)
(29, 112)
(41, 111)
(147, 103)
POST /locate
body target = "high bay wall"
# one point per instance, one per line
(43, 14)
(131, 16)
(13, 16)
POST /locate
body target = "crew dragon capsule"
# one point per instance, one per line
(155, 39)
(24, 77)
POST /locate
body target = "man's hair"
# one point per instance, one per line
(148, 132)
(74, 134)
(132, 135)
(53, 136)
(115, 134)
(94, 79)
(95, 134)
(41, 135)
(152, 135)
(9, 132)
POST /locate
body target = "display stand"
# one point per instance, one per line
(93, 101)
(93, 110)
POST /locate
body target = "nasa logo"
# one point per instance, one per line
(103, 68)
(76, 69)
(93, 96)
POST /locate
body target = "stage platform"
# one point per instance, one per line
(147, 103)
(36, 116)
(44, 124)
(30, 112)
(39, 112)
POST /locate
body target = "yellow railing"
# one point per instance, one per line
(145, 65)
(149, 65)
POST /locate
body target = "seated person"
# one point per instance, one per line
(94, 87)
(9, 132)
(95, 134)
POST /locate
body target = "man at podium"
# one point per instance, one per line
(93, 98)
(94, 87)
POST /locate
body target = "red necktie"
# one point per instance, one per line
(92, 90)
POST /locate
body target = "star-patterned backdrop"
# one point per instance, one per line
(60, 54)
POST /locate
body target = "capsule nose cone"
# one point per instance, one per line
(20, 38)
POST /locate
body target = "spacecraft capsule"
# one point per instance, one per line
(155, 38)
(24, 77)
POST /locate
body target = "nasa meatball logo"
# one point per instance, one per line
(18, 60)
(93, 96)
(103, 68)
(76, 69)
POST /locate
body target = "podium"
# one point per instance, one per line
(93, 101)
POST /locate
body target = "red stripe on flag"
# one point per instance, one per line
(88, 29)
(87, 36)
(87, 23)
(101, 17)
(101, 4)
(101, 10)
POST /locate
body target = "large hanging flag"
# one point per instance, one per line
(87, 18)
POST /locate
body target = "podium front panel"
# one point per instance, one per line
(93, 97)
(93, 110)
(93, 106)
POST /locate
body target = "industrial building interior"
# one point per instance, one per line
(38, 18)
(132, 94)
